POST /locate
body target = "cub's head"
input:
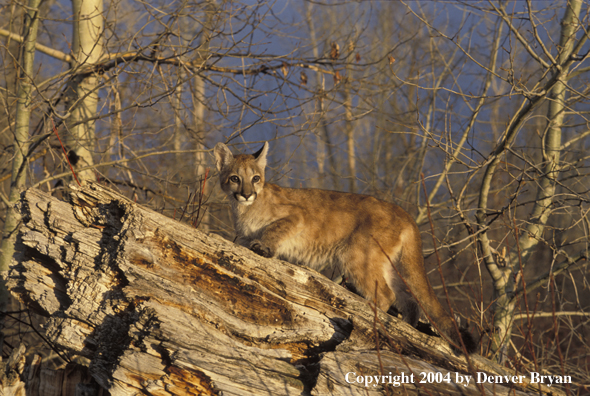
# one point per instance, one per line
(241, 176)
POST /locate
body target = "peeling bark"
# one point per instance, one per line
(160, 308)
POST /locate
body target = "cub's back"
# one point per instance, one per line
(333, 213)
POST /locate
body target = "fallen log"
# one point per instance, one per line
(160, 308)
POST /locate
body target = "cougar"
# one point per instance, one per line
(375, 243)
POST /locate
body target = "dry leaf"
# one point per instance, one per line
(350, 47)
(303, 78)
(335, 51)
(337, 77)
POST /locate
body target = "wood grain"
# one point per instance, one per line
(160, 308)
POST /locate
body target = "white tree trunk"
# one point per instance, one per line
(21, 146)
(82, 93)
(507, 279)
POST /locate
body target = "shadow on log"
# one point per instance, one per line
(159, 308)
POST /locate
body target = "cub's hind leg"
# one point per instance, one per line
(390, 287)
(403, 300)
(370, 278)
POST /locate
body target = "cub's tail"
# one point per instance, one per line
(414, 275)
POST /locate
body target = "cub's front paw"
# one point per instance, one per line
(258, 248)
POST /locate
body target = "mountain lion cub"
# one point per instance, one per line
(362, 235)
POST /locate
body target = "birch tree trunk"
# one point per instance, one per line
(82, 93)
(161, 308)
(21, 144)
(507, 279)
(198, 101)
(349, 124)
(320, 123)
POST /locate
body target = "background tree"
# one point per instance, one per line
(20, 143)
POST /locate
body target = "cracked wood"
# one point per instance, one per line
(160, 308)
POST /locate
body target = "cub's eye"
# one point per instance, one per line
(256, 179)
(234, 179)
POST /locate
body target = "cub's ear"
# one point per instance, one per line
(260, 156)
(223, 156)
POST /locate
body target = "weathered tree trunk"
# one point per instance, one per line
(161, 308)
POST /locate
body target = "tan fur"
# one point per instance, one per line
(362, 235)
